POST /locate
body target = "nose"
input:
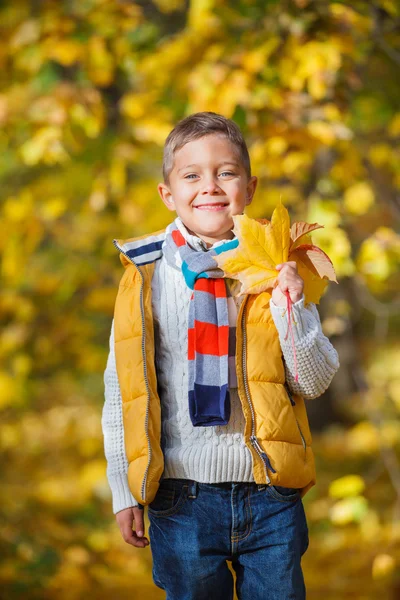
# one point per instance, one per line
(211, 187)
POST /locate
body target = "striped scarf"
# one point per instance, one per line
(211, 328)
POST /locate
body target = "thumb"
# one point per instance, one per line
(278, 266)
(139, 521)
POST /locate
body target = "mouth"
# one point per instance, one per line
(212, 206)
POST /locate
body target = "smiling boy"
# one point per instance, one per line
(207, 185)
(203, 420)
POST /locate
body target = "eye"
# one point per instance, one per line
(194, 174)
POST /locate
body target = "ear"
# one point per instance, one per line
(251, 188)
(166, 196)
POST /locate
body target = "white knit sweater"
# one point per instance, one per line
(206, 454)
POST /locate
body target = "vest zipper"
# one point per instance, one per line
(253, 438)
(143, 489)
(292, 402)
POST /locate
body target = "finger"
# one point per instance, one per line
(139, 521)
(131, 538)
(290, 264)
(142, 542)
(282, 284)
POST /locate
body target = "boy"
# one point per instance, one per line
(222, 465)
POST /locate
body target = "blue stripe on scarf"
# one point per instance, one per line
(215, 405)
(227, 246)
(191, 276)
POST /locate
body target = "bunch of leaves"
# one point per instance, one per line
(264, 244)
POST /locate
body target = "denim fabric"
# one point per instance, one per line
(196, 527)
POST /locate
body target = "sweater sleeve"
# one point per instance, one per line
(317, 359)
(113, 434)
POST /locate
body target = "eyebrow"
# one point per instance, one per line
(226, 162)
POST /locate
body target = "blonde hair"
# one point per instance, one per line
(196, 126)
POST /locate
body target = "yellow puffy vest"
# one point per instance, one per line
(276, 431)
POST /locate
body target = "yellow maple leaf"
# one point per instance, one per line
(263, 244)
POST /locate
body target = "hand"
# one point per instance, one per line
(288, 280)
(125, 519)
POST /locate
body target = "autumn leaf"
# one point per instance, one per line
(299, 229)
(264, 244)
(253, 261)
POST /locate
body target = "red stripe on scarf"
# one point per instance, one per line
(216, 287)
(178, 238)
(210, 339)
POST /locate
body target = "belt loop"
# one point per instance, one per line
(192, 490)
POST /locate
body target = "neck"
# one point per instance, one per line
(228, 235)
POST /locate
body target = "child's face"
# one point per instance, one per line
(208, 186)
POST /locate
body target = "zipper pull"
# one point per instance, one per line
(293, 403)
(263, 455)
(267, 462)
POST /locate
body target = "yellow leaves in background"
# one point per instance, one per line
(101, 299)
(352, 506)
(379, 256)
(168, 6)
(332, 238)
(349, 510)
(89, 115)
(28, 32)
(17, 209)
(314, 65)
(59, 492)
(200, 16)
(359, 198)
(135, 105)
(349, 485)
(152, 129)
(99, 62)
(48, 109)
(46, 146)
(383, 566)
(53, 208)
(92, 477)
(68, 107)
(263, 246)
(255, 60)
(64, 51)
(363, 438)
(98, 540)
(8, 389)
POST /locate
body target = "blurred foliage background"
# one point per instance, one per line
(89, 91)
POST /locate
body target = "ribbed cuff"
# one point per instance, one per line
(121, 494)
(301, 320)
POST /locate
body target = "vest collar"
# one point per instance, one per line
(146, 249)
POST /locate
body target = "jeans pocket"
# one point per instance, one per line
(284, 494)
(170, 497)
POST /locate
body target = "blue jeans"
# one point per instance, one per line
(196, 527)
